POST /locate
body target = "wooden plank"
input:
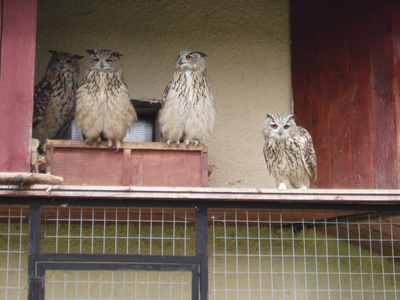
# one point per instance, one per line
(383, 98)
(160, 168)
(396, 83)
(70, 144)
(319, 90)
(126, 166)
(340, 104)
(361, 94)
(287, 197)
(16, 83)
(24, 178)
(300, 62)
(137, 164)
(102, 167)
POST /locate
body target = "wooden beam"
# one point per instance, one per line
(383, 97)
(319, 90)
(396, 69)
(361, 94)
(117, 193)
(16, 83)
(341, 106)
(300, 62)
(20, 178)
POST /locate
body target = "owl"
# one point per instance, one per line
(54, 97)
(188, 109)
(103, 107)
(289, 152)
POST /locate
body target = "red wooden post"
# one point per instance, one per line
(16, 83)
(382, 95)
(340, 105)
(396, 84)
(319, 90)
(300, 63)
(361, 94)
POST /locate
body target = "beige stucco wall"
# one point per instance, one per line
(248, 48)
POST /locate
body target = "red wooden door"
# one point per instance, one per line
(345, 76)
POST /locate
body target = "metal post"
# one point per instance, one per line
(34, 251)
(202, 249)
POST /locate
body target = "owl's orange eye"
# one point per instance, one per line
(286, 127)
(57, 60)
(109, 60)
(274, 126)
(189, 57)
(69, 62)
(96, 59)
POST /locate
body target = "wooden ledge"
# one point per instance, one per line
(125, 145)
(318, 196)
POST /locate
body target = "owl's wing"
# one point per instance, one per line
(41, 100)
(166, 91)
(308, 155)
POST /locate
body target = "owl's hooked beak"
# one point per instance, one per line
(101, 65)
(280, 131)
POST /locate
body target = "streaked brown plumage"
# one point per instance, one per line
(103, 106)
(289, 152)
(188, 109)
(54, 97)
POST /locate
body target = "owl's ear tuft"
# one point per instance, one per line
(268, 116)
(91, 51)
(293, 117)
(77, 57)
(53, 51)
(116, 54)
(201, 54)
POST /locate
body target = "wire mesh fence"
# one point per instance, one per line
(257, 254)
(13, 252)
(105, 230)
(252, 253)
(138, 285)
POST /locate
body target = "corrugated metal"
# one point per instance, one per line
(142, 131)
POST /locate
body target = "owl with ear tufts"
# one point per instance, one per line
(188, 109)
(289, 152)
(54, 97)
(103, 107)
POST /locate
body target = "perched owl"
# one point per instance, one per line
(188, 110)
(54, 97)
(103, 108)
(289, 152)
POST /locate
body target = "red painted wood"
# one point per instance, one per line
(300, 62)
(396, 83)
(363, 42)
(16, 84)
(340, 105)
(136, 164)
(361, 94)
(383, 98)
(319, 89)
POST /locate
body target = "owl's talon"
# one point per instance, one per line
(89, 142)
(178, 143)
(282, 186)
(168, 142)
(196, 143)
(118, 145)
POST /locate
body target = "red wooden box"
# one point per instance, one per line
(135, 164)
